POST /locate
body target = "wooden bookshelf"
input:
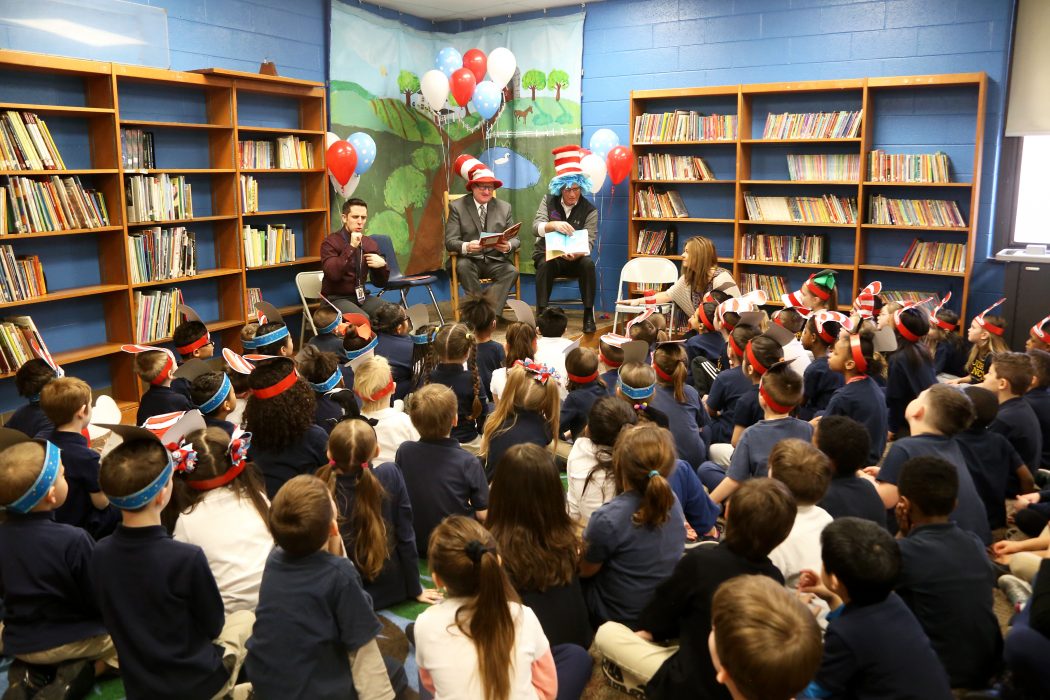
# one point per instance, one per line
(207, 109)
(859, 251)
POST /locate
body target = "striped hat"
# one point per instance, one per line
(934, 321)
(475, 172)
(864, 304)
(567, 170)
(1038, 333)
(988, 325)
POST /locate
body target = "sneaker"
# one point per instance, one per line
(1016, 591)
(1042, 477)
(73, 680)
(614, 676)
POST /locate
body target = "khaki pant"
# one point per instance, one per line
(638, 659)
(1025, 565)
(98, 648)
(721, 453)
(233, 639)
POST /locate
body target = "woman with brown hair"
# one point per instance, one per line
(700, 275)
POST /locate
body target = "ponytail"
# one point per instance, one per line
(657, 499)
(472, 365)
(669, 363)
(643, 458)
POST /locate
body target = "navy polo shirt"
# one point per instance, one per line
(327, 413)
(442, 479)
(1017, 422)
(159, 400)
(950, 358)
(31, 420)
(991, 459)
(48, 599)
(302, 457)
(216, 423)
(611, 379)
(707, 345)
(969, 513)
(684, 420)
(697, 507)
(576, 407)
(819, 383)
(490, 358)
(163, 610)
(82, 465)
(903, 383)
(524, 427)
(748, 411)
(1039, 400)
(863, 401)
(461, 382)
(397, 349)
(726, 390)
(751, 457)
(329, 342)
(852, 496)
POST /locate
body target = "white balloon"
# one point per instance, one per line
(345, 191)
(329, 139)
(593, 166)
(501, 66)
(434, 86)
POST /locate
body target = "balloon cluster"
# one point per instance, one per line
(348, 160)
(606, 157)
(463, 75)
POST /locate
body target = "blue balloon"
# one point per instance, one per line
(602, 141)
(366, 151)
(448, 61)
(487, 99)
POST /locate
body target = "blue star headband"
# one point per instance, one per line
(136, 500)
(44, 481)
(424, 338)
(371, 345)
(330, 328)
(328, 384)
(260, 341)
(636, 393)
(218, 397)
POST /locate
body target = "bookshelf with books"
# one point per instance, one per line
(842, 174)
(132, 189)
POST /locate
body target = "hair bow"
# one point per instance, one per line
(238, 449)
(540, 372)
(825, 278)
(183, 457)
(864, 304)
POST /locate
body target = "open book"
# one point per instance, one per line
(490, 240)
(559, 244)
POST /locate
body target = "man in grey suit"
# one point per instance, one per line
(469, 217)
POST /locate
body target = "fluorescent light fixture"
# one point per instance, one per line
(78, 32)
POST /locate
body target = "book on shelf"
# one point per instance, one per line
(843, 167)
(156, 314)
(20, 342)
(935, 256)
(156, 254)
(914, 212)
(662, 242)
(26, 143)
(249, 194)
(683, 125)
(23, 276)
(136, 149)
(762, 247)
(660, 205)
(666, 166)
(53, 204)
(908, 167)
(643, 287)
(158, 198)
(274, 244)
(575, 243)
(284, 152)
(812, 125)
(825, 209)
(254, 297)
(775, 286)
(900, 297)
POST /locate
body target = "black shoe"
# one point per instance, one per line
(588, 321)
(73, 680)
(23, 680)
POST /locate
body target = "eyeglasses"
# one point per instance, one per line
(484, 188)
(575, 189)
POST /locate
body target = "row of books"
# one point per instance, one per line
(23, 276)
(812, 125)
(791, 249)
(26, 143)
(775, 286)
(136, 149)
(274, 244)
(54, 204)
(161, 254)
(254, 297)
(20, 342)
(902, 297)
(249, 194)
(156, 314)
(826, 209)
(682, 125)
(825, 166)
(285, 152)
(908, 167)
(158, 198)
(662, 242)
(665, 166)
(914, 212)
(935, 256)
(660, 205)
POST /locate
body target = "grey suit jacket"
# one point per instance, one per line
(464, 226)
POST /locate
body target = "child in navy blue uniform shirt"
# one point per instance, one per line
(527, 412)
(454, 345)
(760, 353)
(192, 341)
(706, 350)
(910, 367)
(477, 312)
(391, 325)
(945, 570)
(49, 614)
(1009, 377)
(30, 419)
(441, 477)
(327, 320)
(1038, 397)
(67, 402)
(156, 367)
(158, 597)
(611, 356)
(212, 392)
(584, 387)
(934, 416)
(679, 402)
(322, 372)
(846, 443)
(272, 337)
(819, 382)
(946, 346)
(860, 398)
(728, 388)
(874, 647)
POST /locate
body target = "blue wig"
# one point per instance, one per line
(560, 182)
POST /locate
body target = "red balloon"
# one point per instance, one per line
(619, 163)
(341, 159)
(476, 61)
(462, 84)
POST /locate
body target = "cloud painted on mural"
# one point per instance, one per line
(514, 170)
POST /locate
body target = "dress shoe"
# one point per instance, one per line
(588, 321)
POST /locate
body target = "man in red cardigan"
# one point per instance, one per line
(347, 257)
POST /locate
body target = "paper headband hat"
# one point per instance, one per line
(823, 317)
(246, 364)
(934, 321)
(190, 315)
(899, 325)
(475, 172)
(268, 313)
(330, 328)
(775, 368)
(743, 304)
(649, 311)
(611, 340)
(1038, 333)
(169, 364)
(864, 304)
(522, 312)
(49, 471)
(988, 325)
(196, 367)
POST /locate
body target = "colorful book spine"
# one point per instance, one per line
(824, 166)
(812, 125)
(20, 341)
(908, 167)
(156, 314)
(136, 149)
(935, 256)
(53, 204)
(652, 204)
(272, 245)
(826, 209)
(683, 125)
(156, 254)
(775, 286)
(158, 198)
(930, 213)
(666, 166)
(26, 143)
(22, 278)
(249, 194)
(761, 247)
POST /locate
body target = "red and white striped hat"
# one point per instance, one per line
(864, 304)
(940, 323)
(988, 325)
(1038, 333)
(475, 172)
(567, 159)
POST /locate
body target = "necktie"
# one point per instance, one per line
(481, 212)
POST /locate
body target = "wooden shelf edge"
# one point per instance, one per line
(759, 222)
(306, 260)
(52, 234)
(878, 183)
(686, 182)
(289, 171)
(279, 130)
(62, 294)
(201, 275)
(168, 222)
(61, 173)
(179, 171)
(685, 219)
(282, 212)
(174, 125)
(817, 266)
(219, 325)
(911, 271)
(72, 110)
(955, 229)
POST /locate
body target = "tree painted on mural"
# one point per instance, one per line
(534, 80)
(408, 84)
(406, 189)
(556, 80)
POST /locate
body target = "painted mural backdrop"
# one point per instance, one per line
(375, 68)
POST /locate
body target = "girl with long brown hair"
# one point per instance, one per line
(679, 402)
(527, 412)
(521, 344)
(455, 345)
(700, 275)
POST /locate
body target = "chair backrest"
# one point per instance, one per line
(649, 271)
(386, 247)
(309, 286)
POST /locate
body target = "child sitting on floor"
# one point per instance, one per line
(985, 336)
(1009, 377)
(477, 312)
(1038, 397)
(521, 344)
(550, 345)
(679, 402)
(374, 386)
(584, 387)
(527, 412)
(30, 379)
(455, 346)
(322, 372)
(391, 325)
(806, 472)
(910, 367)
(860, 398)
(819, 382)
(326, 320)
(846, 444)
(155, 366)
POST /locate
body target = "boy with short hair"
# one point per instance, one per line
(847, 443)
(326, 319)
(806, 472)
(478, 312)
(1009, 378)
(441, 477)
(944, 571)
(155, 367)
(1038, 398)
(550, 345)
(192, 339)
(315, 631)
(934, 416)
(874, 647)
(67, 403)
(213, 394)
(30, 419)
(50, 616)
(765, 645)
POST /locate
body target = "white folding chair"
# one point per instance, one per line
(643, 271)
(309, 286)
